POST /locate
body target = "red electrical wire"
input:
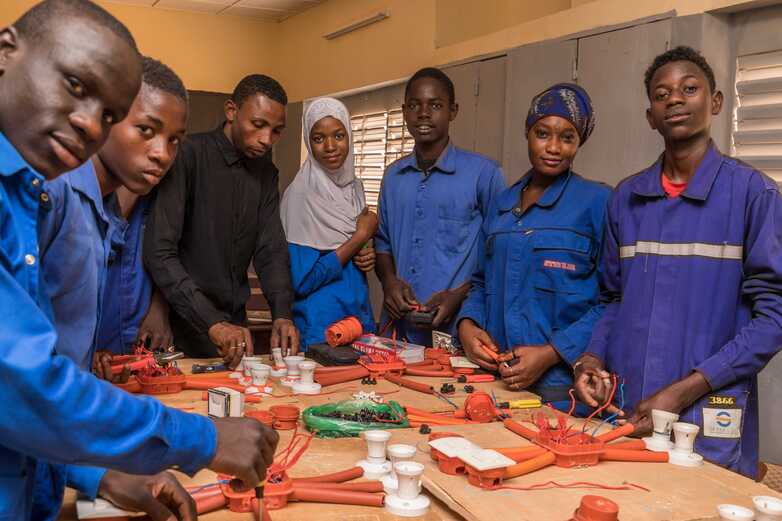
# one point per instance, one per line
(287, 457)
(577, 484)
(343, 332)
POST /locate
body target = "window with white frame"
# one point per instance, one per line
(757, 117)
(379, 139)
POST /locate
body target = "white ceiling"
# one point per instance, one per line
(270, 10)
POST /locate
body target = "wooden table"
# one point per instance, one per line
(323, 456)
(676, 494)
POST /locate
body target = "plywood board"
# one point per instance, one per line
(676, 493)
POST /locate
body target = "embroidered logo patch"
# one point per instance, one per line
(547, 263)
(722, 423)
(724, 401)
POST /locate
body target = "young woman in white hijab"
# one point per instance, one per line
(328, 227)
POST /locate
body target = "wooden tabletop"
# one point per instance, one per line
(675, 493)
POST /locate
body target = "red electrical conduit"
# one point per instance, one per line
(525, 467)
(625, 430)
(338, 377)
(363, 486)
(205, 385)
(342, 497)
(519, 429)
(336, 477)
(628, 445)
(435, 373)
(205, 504)
(410, 384)
(336, 368)
(644, 456)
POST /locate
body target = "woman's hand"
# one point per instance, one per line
(366, 225)
(365, 259)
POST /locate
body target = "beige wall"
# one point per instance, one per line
(311, 66)
(460, 20)
(209, 52)
(213, 52)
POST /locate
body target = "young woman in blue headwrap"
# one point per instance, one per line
(534, 295)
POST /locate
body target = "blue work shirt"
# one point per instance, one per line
(128, 285)
(537, 278)
(51, 409)
(694, 283)
(74, 242)
(430, 223)
(325, 291)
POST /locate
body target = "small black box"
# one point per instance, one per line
(324, 354)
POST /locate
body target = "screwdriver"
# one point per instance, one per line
(529, 403)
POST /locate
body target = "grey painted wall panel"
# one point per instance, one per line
(490, 113)
(531, 69)
(611, 67)
(464, 78)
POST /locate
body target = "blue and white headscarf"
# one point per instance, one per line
(566, 100)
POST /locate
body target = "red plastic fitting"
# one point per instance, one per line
(596, 508)
(286, 417)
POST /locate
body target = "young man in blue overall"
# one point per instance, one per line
(68, 72)
(692, 271)
(432, 205)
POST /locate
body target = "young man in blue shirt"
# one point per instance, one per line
(137, 155)
(68, 72)
(432, 205)
(76, 230)
(692, 276)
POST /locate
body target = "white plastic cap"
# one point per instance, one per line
(735, 513)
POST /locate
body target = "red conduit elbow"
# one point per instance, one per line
(519, 429)
(410, 384)
(342, 497)
(634, 455)
(625, 430)
(525, 467)
(336, 477)
(339, 377)
(210, 503)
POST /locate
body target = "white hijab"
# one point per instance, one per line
(320, 207)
